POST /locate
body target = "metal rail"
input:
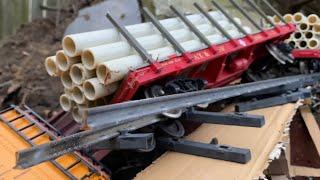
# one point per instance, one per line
(213, 21)
(191, 26)
(108, 121)
(164, 31)
(131, 40)
(240, 28)
(110, 115)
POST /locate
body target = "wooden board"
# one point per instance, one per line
(261, 142)
(312, 125)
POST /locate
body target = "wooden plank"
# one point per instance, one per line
(261, 142)
(312, 125)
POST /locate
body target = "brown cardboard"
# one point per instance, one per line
(261, 142)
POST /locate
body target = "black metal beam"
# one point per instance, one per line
(273, 101)
(108, 121)
(214, 151)
(237, 119)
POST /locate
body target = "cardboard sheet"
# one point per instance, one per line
(261, 142)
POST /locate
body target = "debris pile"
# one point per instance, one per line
(91, 64)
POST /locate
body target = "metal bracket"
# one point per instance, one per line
(213, 150)
(237, 119)
(127, 141)
(274, 101)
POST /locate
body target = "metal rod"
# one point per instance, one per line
(163, 31)
(131, 40)
(240, 28)
(109, 121)
(246, 15)
(213, 21)
(259, 11)
(21, 129)
(277, 13)
(192, 27)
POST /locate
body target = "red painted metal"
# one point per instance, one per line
(218, 64)
(306, 54)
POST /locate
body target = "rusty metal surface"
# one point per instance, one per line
(303, 151)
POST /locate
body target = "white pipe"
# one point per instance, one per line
(316, 29)
(288, 18)
(78, 114)
(91, 57)
(51, 66)
(78, 95)
(302, 44)
(64, 62)
(114, 70)
(313, 43)
(298, 35)
(75, 43)
(292, 43)
(68, 92)
(276, 19)
(299, 18)
(303, 27)
(79, 73)
(94, 90)
(66, 80)
(66, 102)
(309, 35)
(313, 19)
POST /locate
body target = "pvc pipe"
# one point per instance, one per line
(66, 102)
(316, 29)
(276, 19)
(309, 35)
(78, 114)
(75, 43)
(303, 27)
(64, 62)
(51, 66)
(298, 36)
(114, 70)
(78, 96)
(94, 90)
(303, 44)
(299, 18)
(79, 74)
(288, 18)
(68, 92)
(292, 43)
(66, 80)
(91, 57)
(313, 19)
(313, 43)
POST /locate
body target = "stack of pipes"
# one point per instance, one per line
(307, 33)
(92, 64)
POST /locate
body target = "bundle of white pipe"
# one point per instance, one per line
(307, 35)
(74, 44)
(91, 64)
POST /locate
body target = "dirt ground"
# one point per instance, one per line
(23, 79)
